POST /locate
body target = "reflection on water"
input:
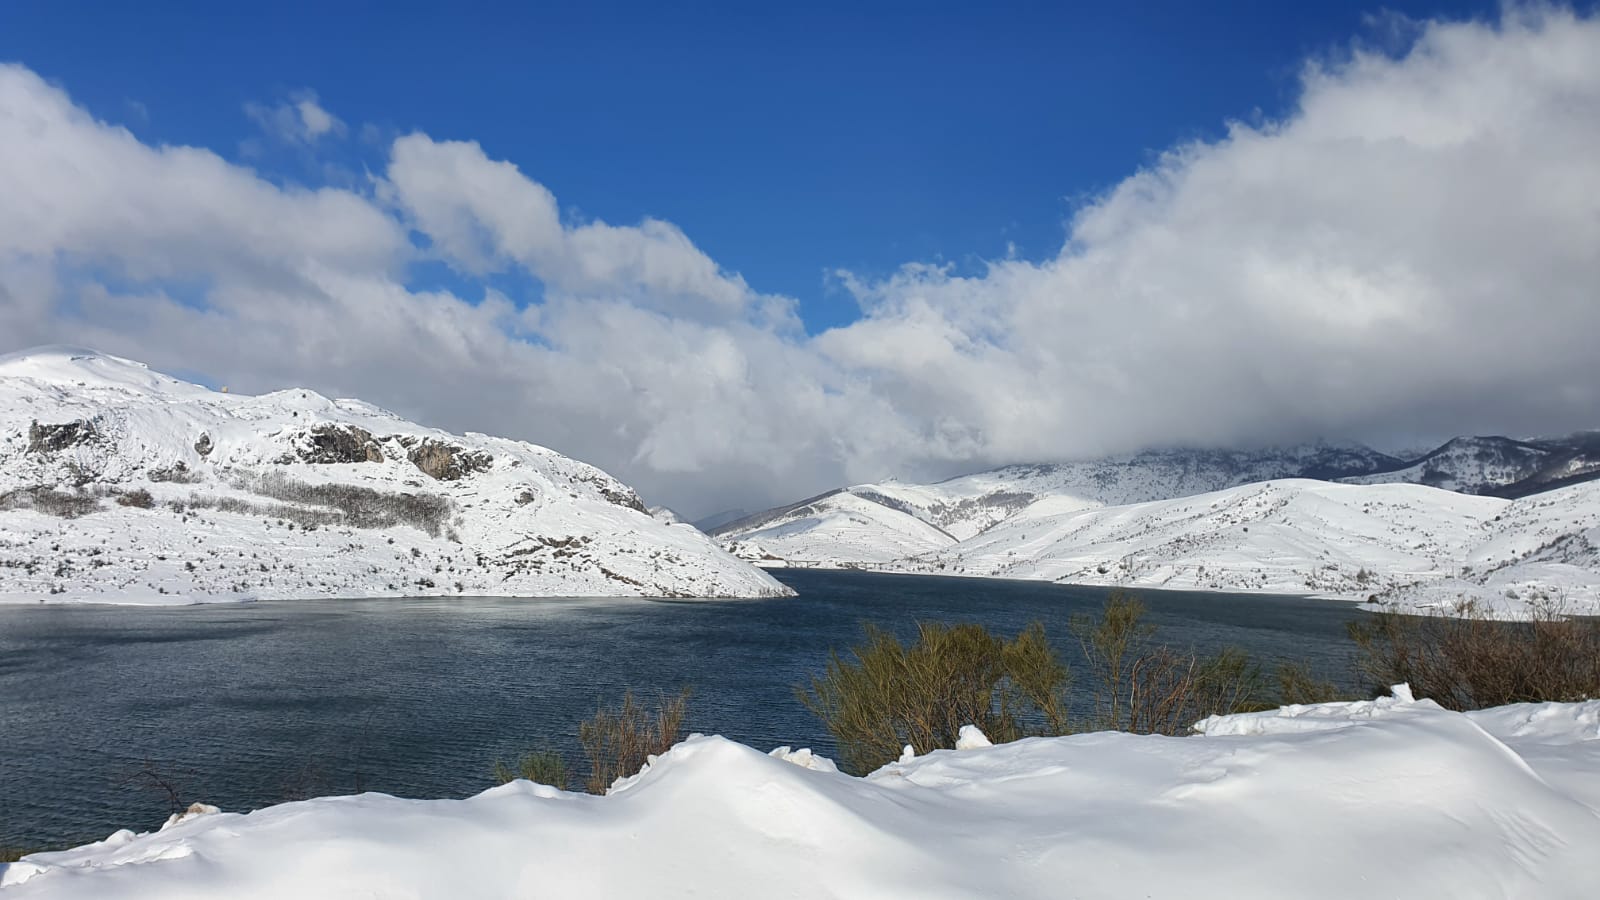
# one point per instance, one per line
(251, 704)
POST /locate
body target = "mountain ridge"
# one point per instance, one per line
(119, 483)
(976, 523)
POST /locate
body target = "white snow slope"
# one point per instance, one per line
(958, 508)
(119, 484)
(1410, 546)
(1385, 798)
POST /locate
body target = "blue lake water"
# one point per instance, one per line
(251, 704)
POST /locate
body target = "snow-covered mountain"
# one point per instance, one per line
(1235, 522)
(118, 483)
(876, 522)
(1499, 466)
(1408, 545)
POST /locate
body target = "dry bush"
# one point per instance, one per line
(162, 780)
(539, 766)
(139, 498)
(1296, 685)
(361, 507)
(1149, 688)
(889, 695)
(50, 501)
(619, 742)
(1473, 662)
(309, 518)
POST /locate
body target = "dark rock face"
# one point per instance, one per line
(178, 472)
(624, 497)
(203, 445)
(616, 492)
(340, 444)
(445, 462)
(54, 438)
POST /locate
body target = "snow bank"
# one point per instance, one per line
(1388, 798)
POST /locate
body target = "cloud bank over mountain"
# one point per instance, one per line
(1413, 250)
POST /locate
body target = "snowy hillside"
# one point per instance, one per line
(1499, 466)
(838, 526)
(843, 526)
(121, 484)
(1378, 798)
(1408, 545)
(1426, 534)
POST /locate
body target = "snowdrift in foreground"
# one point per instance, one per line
(120, 484)
(1386, 798)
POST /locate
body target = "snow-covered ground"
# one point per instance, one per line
(120, 484)
(1385, 798)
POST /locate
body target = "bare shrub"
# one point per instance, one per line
(360, 507)
(1296, 685)
(1472, 662)
(163, 781)
(138, 499)
(1149, 688)
(539, 767)
(308, 518)
(50, 501)
(619, 742)
(889, 695)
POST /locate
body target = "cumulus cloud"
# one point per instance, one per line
(297, 120)
(1413, 250)
(1415, 247)
(484, 215)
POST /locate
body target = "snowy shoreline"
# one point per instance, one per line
(170, 600)
(1387, 797)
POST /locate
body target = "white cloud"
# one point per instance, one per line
(1414, 249)
(484, 215)
(298, 120)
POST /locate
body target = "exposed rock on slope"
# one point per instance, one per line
(1500, 466)
(121, 484)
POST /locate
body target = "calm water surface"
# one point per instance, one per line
(247, 705)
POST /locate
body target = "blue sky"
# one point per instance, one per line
(737, 256)
(786, 142)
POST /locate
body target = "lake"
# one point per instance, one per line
(251, 704)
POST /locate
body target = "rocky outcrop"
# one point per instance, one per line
(618, 493)
(202, 446)
(55, 438)
(335, 443)
(445, 462)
